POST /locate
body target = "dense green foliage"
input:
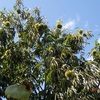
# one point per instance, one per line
(52, 60)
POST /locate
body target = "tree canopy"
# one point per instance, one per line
(51, 59)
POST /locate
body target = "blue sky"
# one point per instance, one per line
(74, 13)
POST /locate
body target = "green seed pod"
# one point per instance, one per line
(18, 11)
(40, 27)
(45, 27)
(19, 35)
(7, 52)
(58, 25)
(80, 31)
(94, 52)
(84, 35)
(69, 74)
(7, 23)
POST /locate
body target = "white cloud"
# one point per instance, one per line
(90, 58)
(98, 40)
(77, 18)
(70, 24)
(97, 28)
(86, 24)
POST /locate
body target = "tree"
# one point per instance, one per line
(51, 59)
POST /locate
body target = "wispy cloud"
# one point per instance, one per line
(90, 58)
(97, 28)
(77, 18)
(76, 22)
(70, 24)
(86, 24)
(98, 40)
